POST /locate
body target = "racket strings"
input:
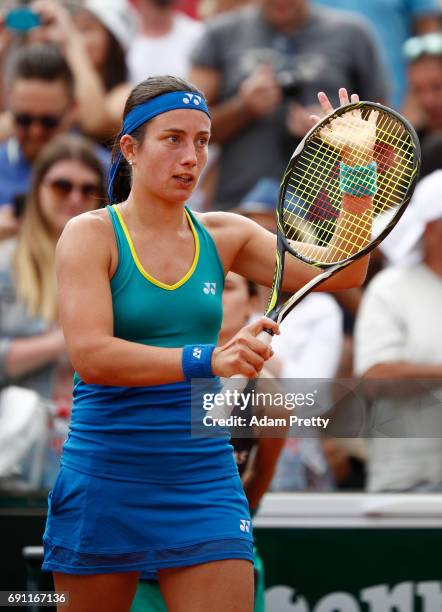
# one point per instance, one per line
(313, 199)
(330, 164)
(332, 158)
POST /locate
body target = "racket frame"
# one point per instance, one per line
(278, 312)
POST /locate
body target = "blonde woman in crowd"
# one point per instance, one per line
(67, 180)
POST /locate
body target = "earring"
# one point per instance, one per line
(131, 162)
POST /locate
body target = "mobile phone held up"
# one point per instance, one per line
(22, 19)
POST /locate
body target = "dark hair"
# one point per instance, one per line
(144, 91)
(44, 62)
(115, 70)
(252, 288)
(431, 154)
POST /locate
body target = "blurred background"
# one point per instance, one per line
(66, 69)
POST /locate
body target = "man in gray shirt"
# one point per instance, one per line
(261, 68)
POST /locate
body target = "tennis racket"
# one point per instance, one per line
(317, 221)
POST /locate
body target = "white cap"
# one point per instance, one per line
(118, 16)
(403, 245)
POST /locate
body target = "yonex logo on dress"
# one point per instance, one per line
(209, 288)
(197, 353)
(244, 525)
(192, 98)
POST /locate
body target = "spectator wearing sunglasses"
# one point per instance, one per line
(67, 180)
(41, 101)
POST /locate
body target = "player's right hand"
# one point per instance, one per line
(244, 354)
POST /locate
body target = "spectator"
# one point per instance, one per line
(425, 73)
(393, 22)
(94, 42)
(165, 42)
(397, 338)
(41, 101)
(260, 68)
(431, 154)
(42, 104)
(67, 180)
(396, 247)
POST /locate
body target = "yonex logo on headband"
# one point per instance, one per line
(192, 98)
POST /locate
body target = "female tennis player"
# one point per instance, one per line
(140, 287)
(256, 456)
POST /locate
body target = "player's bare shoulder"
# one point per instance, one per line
(224, 225)
(89, 234)
(230, 232)
(92, 221)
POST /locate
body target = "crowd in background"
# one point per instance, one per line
(260, 64)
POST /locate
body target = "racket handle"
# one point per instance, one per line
(237, 382)
(241, 381)
(266, 336)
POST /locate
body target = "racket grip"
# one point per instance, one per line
(237, 383)
(241, 381)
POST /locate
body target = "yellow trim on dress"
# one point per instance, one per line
(139, 264)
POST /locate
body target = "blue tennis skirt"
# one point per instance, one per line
(100, 525)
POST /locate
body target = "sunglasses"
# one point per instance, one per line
(64, 187)
(48, 122)
(428, 44)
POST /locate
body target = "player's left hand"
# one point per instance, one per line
(326, 105)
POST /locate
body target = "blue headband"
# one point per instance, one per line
(144, 112)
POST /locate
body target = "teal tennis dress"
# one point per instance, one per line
(135, 490)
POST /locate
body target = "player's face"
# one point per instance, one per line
(237, 306)
(284, 15)
(41, 110)
(426, 84)
(68, 189)
(169, 161)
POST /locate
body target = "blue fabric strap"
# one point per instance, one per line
(144, 112)
(358, 180)
(197, 361)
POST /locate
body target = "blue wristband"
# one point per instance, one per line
(197, 361)
(358, 180)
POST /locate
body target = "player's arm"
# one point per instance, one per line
(83, 260)
(353, 229)
(355, 139)
(86, 315)
(255, 259)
